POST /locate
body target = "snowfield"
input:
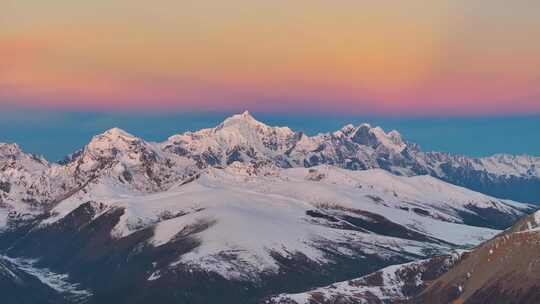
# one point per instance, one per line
(252, 215)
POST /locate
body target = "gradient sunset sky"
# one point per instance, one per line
(459, 57)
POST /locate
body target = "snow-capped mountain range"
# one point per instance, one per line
(156, 166)
(253, 209)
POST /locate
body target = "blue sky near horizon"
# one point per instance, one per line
(55, 134)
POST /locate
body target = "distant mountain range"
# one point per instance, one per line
(242, 212)
(242, 138)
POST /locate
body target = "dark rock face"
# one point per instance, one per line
(5, 186)
(234, 155)
(363, 136)
(366, 221)
(487, 217)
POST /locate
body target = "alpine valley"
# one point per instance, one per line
(249, 213)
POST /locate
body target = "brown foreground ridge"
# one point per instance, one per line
(503, 270)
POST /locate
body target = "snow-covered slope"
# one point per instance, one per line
(393, 284)
(250, 214)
